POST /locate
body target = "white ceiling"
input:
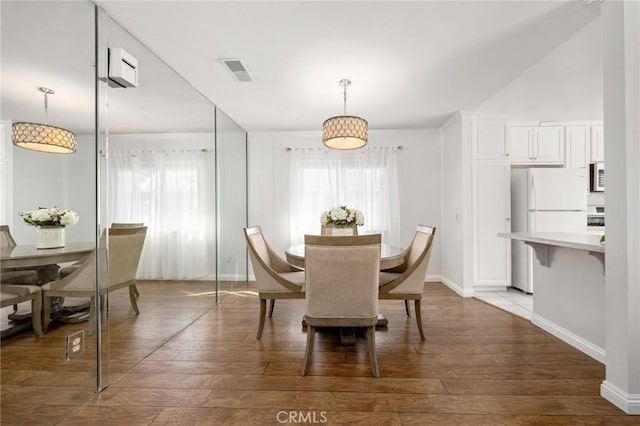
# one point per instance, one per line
(412, 63)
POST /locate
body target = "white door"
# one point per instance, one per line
(491, 215)
(557, 189)
(559, 221)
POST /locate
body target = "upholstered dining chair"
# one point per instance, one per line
(23, 276)
(125, 248)
(406, 282)
(341, 287)
(275, 278)
(14, 294)
(69, 269)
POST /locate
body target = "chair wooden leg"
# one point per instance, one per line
(311, 332)
(132, 296)
(36, 314)
(271, 306)
(419, 319)
(371, 341)
(46, 313)
(406, 307)
(263, 313)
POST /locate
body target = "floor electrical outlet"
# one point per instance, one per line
(74, 346)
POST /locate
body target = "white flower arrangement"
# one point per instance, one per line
(50, 217)
(342, 216)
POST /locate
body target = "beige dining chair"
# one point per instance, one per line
(23, 276)
(342, 287)
(14, 294)
(406, 282)
(125, 248)
(275, 278)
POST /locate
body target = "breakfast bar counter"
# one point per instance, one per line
(569, 287)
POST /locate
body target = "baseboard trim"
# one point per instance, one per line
(481, 288)
(567, 336)
(464, 292)
(629, 403)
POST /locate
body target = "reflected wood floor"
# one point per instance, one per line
(478, 365)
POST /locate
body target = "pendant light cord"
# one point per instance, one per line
(345, 99)
(46, 109)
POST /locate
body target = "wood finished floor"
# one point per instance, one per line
(479, 365)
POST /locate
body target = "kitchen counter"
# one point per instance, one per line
(588, 242)
(569, 294)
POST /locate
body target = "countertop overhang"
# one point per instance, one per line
(577, 241)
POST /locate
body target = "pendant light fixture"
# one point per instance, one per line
(345, 131)
(42, 137)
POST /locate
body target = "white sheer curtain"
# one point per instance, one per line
(365, 179)
(172, 192)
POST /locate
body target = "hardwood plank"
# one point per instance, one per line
(522, 387)
(184, 360)
(96, 414)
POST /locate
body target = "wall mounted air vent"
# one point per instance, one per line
(237, 69)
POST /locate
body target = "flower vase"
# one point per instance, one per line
(50, 237)
(337, 230)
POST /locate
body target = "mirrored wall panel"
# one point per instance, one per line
(232, 204)
(48, 210)
(157, 184)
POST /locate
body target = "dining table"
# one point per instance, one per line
(45, 262)
(390, 257)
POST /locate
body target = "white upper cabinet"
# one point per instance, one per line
(577, 146)
(537, 145)
(490, 139)
(597, 144)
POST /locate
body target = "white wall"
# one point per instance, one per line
(419, 174)
(66, 181)
(564, 85)
(451, 235)
(622, 258)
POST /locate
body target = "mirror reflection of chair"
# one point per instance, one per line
(406, 282)
(23, 276)
(342, 287)
(14, 294)
(125, 248)
(275, 278)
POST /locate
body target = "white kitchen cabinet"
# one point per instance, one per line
(490, 139)
(597, 144)
(537, 145)
(577, 142)
(491, 189)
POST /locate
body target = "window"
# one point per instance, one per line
(171, 192)
(365, 179)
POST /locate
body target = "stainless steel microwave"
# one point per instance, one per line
(597, 177)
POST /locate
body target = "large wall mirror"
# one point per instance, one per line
(158, 154)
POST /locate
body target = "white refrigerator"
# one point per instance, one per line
(544, 200)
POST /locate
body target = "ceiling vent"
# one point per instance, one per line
(237, 69)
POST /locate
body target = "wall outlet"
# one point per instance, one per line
(74, 345)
